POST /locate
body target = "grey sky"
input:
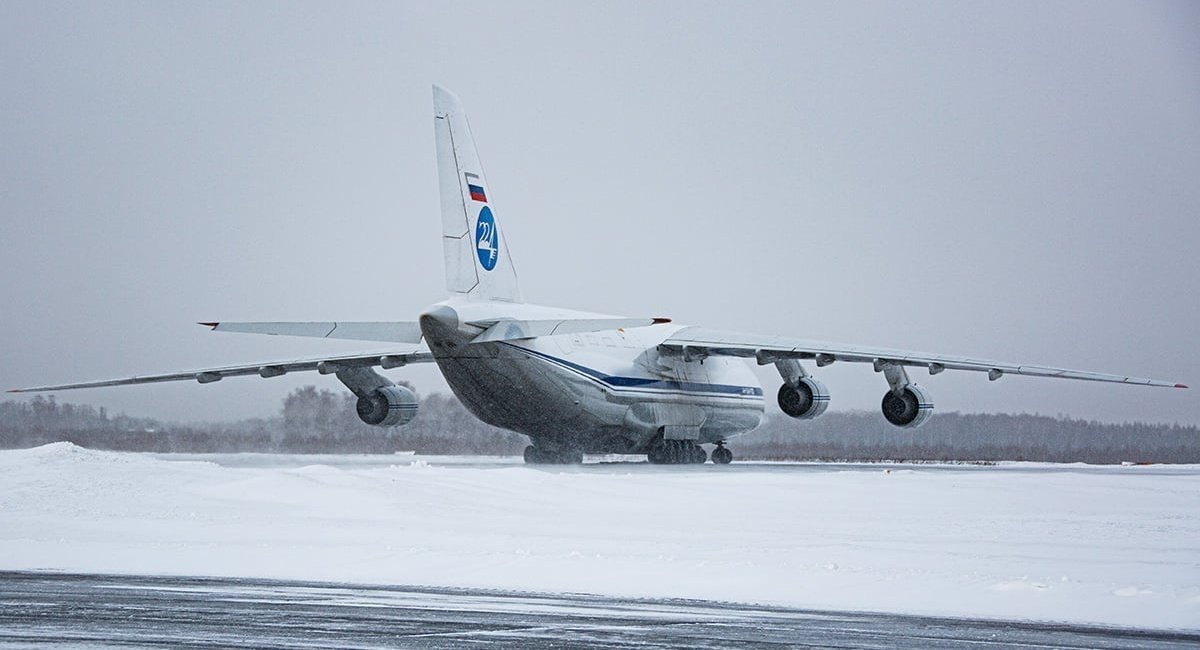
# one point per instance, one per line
(1009, 180)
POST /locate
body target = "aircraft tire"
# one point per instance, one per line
(722, 456)
(683, 453)
(677, 452)
(662, 453)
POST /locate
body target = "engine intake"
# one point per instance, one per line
(910, 409)
(805, 400)
(388, 406)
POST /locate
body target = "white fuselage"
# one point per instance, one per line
(607, 391)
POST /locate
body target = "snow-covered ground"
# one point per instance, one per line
(1112, 545)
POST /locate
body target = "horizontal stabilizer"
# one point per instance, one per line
(391, 332)
(324, 365)
(511, 330)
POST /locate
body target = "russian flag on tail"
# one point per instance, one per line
(475, 187)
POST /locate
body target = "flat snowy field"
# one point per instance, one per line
(1109, 545)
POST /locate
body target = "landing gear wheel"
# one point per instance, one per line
(676, 452)
(722, 456)
(662, 453)
(666, 452)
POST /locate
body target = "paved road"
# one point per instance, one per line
(53, 609)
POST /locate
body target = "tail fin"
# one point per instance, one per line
(477, 261)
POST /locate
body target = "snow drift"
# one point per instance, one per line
(1114, 545)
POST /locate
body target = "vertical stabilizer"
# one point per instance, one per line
(477, 261)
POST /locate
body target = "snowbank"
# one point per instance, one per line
(1113, 545)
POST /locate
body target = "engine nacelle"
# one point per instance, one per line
(806, 400)
(910, 409)
(388, 406)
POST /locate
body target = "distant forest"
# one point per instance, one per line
(323, 421)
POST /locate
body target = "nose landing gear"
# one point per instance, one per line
(721, 455)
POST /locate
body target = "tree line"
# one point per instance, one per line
(866, 436)
(314, 420)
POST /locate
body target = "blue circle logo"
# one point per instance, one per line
(487, 240)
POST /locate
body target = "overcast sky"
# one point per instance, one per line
(1018, 181)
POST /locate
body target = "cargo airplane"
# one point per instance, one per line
(577, 382)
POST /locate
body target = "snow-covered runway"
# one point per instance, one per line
(88, 610)
(1111, 545)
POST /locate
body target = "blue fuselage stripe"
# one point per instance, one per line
(648, 383)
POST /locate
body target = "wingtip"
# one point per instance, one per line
(209, 325)
(1180, 385)
(659, 320)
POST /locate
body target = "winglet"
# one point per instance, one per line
(210, 325)
(1180, 386)
(659, 320)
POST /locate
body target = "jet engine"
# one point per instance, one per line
(387, 406)
(804, 400)
(911, 408)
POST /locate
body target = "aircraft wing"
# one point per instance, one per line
(697, 342)
(324, 365)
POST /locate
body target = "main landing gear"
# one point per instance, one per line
(537, 456)
(721, 455)
(677, 452)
